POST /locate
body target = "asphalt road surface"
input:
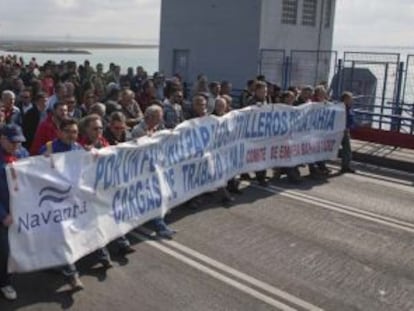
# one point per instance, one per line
(345, 243)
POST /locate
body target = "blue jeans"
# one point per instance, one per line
(5, 277)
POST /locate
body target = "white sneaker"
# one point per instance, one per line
(8, 292)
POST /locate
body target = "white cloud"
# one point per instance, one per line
(374, 22)
(358, 22)
(131, 20)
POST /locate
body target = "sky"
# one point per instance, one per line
(357, 22)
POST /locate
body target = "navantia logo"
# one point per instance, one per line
(61, 208)
(53, 194)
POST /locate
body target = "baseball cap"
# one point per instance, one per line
(13, 133)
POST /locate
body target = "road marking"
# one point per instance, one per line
(338, 207)
(246, 289)
(236, 273)
(396, 183)
(384, 169)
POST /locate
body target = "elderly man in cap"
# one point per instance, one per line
(11, 137)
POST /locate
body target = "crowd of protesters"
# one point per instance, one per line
(61, 107)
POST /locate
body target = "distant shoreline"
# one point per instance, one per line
(46, 51)
(61, 47)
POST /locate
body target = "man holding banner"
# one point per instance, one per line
(115, 133)
(152, 122)
(92, 137)
(259, 99)
(11, 137)
(66, 141)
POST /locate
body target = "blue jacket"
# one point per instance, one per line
(59, 146)
(4, 190)
(350, 118)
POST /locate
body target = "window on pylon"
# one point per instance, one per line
(290, 12)
(309, 12)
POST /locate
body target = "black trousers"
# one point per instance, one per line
(261, 175)
(5, 278)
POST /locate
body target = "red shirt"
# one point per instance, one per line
(47, 131)
(9, 158)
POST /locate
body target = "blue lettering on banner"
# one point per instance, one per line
(149, 159)
(312, 120)
(202, 173)
(250, 126)
(169, 178)
(122, 167)
(56, 216)
(136, 200)
(51, 195)
(187, 144)
(233, 160)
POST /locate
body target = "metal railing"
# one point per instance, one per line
(382, 85)
(311, 67)
(272, 65)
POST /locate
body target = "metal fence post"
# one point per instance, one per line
(339, 78)
(383, 96)
(260, 59)
(412, 123)
(286, 71)
(396, 105)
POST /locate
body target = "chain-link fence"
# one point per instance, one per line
(272, 66)
(407, 104)
(383, 95)
(311, 67)
(373, 79)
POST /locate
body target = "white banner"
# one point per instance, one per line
(70, 204)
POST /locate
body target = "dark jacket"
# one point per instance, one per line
(4, 190)
(253, 101)
(31, 120)
(350, 118)
(112, 139)
(56, 146)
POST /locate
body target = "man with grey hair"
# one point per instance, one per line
(12, 114)
(130, 108)
(99, 109)
(152, 122)
(198, 107)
